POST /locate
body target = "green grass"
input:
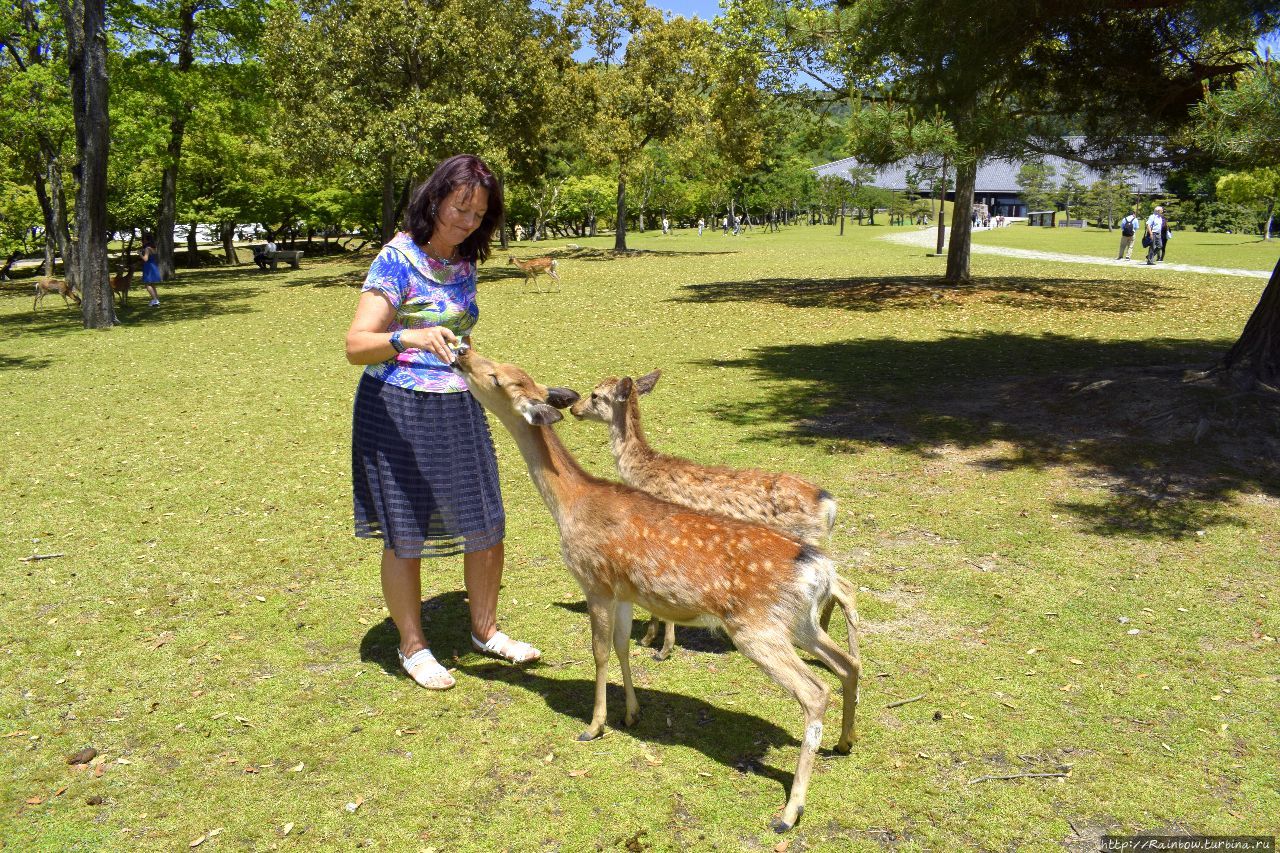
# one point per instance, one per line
(1237, 251)
(217, 634)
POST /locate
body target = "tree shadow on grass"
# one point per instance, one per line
(179, 303)
(24, 362)
(1171, 454)
(688, 637)
(737, 740)
(878, 293)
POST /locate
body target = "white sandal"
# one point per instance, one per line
(423, 668)
(504, 648)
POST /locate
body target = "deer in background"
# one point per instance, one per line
(535, 267)
(625, 547)
(120, 284)
(45, 286)
(787, 503)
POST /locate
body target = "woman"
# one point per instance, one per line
(150, 268)
(423, 468)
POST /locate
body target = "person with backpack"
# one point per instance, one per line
(1165, 234)
(1128, 228)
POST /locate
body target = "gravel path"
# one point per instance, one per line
(929, 238)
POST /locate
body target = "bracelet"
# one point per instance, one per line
(396, 343)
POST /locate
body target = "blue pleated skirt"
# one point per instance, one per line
(423, 471)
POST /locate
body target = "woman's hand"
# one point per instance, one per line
(433, 339)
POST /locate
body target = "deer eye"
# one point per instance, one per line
(496, 382)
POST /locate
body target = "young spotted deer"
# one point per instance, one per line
(625, 547)
(787, 503)
(535, 267)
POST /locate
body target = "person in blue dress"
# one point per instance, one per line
(150, 268)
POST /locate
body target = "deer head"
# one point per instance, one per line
(508, 391)
(611, 396)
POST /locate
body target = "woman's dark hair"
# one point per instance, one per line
(462, 170)
(148, 240)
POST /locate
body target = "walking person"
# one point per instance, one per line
(150, 268)
(1152, 239)
(702, 223)
(1165, 234)
(424, 473)
(1128, 229)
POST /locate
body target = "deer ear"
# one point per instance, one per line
(622, 391)
(645, 383)
(540, 414)
(562, 398)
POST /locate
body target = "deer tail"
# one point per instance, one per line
(844, 594)
(827, 509)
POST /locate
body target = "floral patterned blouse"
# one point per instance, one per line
(424, 292)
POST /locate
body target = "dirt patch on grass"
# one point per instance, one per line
(910, 619)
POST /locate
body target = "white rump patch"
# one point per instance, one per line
(813, 735)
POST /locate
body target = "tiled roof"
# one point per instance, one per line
(995, 177)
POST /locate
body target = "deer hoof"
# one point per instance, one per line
(779, 825)
(588, 735)
(631, 719)
(844, 748)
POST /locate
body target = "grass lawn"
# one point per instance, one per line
(1238, 251)
(1066, 551)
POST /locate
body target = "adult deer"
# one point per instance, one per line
(120, 284)
(45, 286)
(782, 501)
(535, 267)
(625, 547)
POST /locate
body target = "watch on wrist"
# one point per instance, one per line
(396, 343)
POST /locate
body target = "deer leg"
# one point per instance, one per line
(848, 670)
(774, 654)
(601, 613)
(622, 647)
(668, 642)
(651, 632)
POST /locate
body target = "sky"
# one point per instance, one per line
(704, 9)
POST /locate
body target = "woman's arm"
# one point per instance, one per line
(368, 341)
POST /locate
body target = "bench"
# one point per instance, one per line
(293, 256)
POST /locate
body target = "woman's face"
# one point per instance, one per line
(460, 214)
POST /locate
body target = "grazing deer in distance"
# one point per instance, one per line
(782, 501)
(625, 547)
(45, 286)
(535, 267)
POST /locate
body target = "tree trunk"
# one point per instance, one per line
(503, 245)
(8, 264)
(50, 225)
(53, 206)
(87, 59)
(1257, 353)
(942, 209)
(388, 223)
(227, 231)
(1266, 229)
(166, 212)
(620, 231)
(962, 223)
